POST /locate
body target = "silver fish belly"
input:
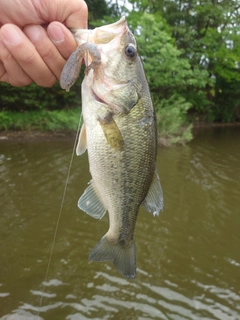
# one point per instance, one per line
(119, 133)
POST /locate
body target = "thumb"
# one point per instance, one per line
(74, 13)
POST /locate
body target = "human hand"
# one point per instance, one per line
(34, 39)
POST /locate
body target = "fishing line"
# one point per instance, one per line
(59, 214)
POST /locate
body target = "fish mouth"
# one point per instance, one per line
(100, 35)
(107, 33)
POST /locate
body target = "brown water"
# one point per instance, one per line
(188, 259)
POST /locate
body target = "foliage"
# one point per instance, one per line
(34, 97)
(169, 76)
(227, 101)
(40, 120)
(207, 33)
(172, 124)
(102, 10)
(167, 71)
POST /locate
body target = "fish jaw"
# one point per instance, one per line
(100, 35)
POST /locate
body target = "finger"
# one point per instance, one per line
(26, 55)
(10, 70)
(46, 49)
(62, 38)
(73, 13)
(2, 69)
(77, 10)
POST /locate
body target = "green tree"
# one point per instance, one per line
(207, 33)
(96, 10)
(169, 75)
(34, 97)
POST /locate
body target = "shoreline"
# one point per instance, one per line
(201, 125)
(30, 135)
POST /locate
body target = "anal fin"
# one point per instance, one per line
(90, 203)
(82, 141)
(153, 202)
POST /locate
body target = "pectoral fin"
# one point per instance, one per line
(153, 202)
(90, 203)
(82, 141)
(111, 132)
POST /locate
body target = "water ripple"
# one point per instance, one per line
(188, 259)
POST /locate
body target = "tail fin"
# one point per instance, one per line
(123, 258)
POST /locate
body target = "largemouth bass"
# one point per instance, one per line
(120, 135)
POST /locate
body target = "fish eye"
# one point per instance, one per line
(130, 51)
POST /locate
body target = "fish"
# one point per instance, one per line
(119, 132)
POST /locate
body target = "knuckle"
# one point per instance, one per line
(6, 56)
(11, 73)
(28, 58)
(48, 53)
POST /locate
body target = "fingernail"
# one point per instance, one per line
(56, 34)
(11, 34)
(33, 32)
